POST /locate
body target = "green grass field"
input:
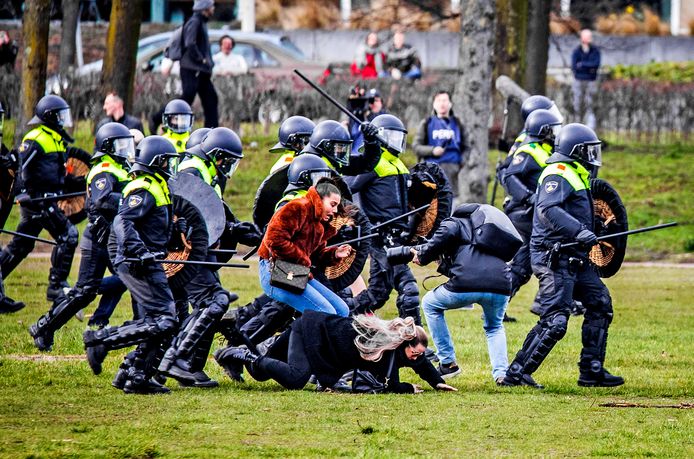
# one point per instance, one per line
(52, 406)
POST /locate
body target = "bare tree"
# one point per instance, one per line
(121, 49)
(34, 60)
(537, 48)
(473, 93)
(69, 33)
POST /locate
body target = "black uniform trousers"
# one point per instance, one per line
(194, 81)
(32, 220)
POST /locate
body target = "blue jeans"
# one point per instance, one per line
(316, 296)
(437, 301)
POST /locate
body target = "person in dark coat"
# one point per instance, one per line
(327, 346)
(115, 112)
(196, 62)
(585, 63)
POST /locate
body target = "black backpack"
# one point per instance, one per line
(174, 47)
(492, 231)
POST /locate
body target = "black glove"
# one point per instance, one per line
(370, 132)
(23, 199)
(586, 238)
(181, 226)
(147, 259)
(100, 229)
(9, 161)
(531, 200)
(246, 233)
(346, 232)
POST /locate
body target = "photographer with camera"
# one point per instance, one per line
(472, 248)
(366, 105)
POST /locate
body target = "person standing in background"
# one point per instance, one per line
(585, 62)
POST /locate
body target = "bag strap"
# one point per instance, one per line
(390, 369)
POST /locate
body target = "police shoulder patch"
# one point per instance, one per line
(23, 147)
(518, 158)
(134, 201)
(551, 186)
(100, 184)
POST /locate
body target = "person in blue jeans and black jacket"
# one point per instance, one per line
(475, 276)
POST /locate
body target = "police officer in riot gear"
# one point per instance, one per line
(529, 105)
(383, 194)
(196, 137)
(105, 182)
(564, 213)
(143, 229)
(178, 122)
(294, 134)
(331, 141)
(519, 180)
(8, 170)
(43, 153)
(214, 161)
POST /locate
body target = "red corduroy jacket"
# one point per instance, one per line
(297, 234)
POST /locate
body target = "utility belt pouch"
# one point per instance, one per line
(292, 277)
(553, 256)
(576, 264)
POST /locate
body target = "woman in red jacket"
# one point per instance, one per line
(297, 233)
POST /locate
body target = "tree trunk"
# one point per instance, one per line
(35, 59)
(118, 73)
(68, 38)
(473, 93)
(510, 54)
(537, 49)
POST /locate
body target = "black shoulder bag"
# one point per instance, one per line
(364, 382)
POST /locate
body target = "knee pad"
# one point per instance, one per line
(410, 289)
(70, 237)
(557, 326)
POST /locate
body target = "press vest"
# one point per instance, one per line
(154, 184)
(577, 176)
(207, 171)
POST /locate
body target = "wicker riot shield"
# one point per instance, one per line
(610, 218)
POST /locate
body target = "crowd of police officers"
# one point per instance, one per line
(546, 177)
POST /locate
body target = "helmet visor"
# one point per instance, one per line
(317, 175)
(179, 122)
(339, 151)
(555, 111)
(298, 141)
(395, 140)
(556, 128)
(64, 118)
(124, 147)
(227, 165)
(590, 153)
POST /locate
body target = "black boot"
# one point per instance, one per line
(122, 374)
(56, 289)
(42, 334)
(144, 386)
(591, 366)
(96, 356)
(508, 318)
(602, 378)
(517, 379)
(232, 368)
(8, 305)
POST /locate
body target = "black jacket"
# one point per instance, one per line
(196, 45)
(520, 177)
(141, 226)
(329, 345)
(561, 212)
(468, 268)
(43, 170)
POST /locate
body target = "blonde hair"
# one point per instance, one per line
(376, 336)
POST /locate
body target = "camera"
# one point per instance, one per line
(399, 255)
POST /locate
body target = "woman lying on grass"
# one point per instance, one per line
(327, 346)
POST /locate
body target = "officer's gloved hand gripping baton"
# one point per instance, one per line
(624, 233)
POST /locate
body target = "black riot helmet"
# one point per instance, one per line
(294, 134)
(52, 111)
(223, 147)
(178, 116)
(543, 125)
(538, 102)
(332, 140)
(305, 171)
(393, 131)
(115, 140)
(577, 142)
(155, 154)
(196, 137)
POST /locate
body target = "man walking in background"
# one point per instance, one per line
(115, 112)
(585, 62)
(196, 62)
